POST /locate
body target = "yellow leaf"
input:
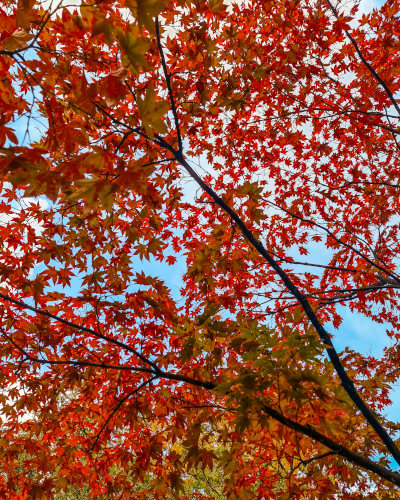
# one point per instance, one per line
(17, 40)
(95, 160)
(151, 111)
(23, 18)
(93, 190)
(61, 483)
(216, 5)
(145, 11)
(292, 56)
(105, 28)
(159, 485)
(246, 494)
(298, 314)
(134, 48)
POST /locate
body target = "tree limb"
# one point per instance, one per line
(168, 80)
(336, 448)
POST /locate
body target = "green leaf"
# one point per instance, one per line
(242, 422)
(187, 349)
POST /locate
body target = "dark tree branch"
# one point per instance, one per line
(97, 437)
(345, 269)
(347, 383)
(168, 81)
(155, 371)
(336, 448)
(318, 457)
(367, 65)
(351, 456)
(27, 357)
(82, 328)
(125, 137)
(368, 183)
(338, 240)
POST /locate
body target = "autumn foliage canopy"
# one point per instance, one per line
(192, 193)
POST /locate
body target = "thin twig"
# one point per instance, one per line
(367, 64)
(97, 437)
(168, 80)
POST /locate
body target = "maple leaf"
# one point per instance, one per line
(151, 111)
(145, 11)
(105, 28)
(113, 87)
(220, 144)
(95, 190)
(177, 483)
(22, 18)
(134, 47)
(7, 133)
(171, 260)
(17, 40)
(72, 135)
(37, 492)
(135, 176)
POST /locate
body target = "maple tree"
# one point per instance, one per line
(219, 140)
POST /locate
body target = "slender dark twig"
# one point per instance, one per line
(79, 327)
(168, 80)
(125, 137)
(338, 240)
(335, 447)
(155, 369)
(368, 65)
(122, 401)
(27, 357)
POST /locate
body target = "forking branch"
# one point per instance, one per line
(346, 382)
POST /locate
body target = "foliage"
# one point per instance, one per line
(155, 324)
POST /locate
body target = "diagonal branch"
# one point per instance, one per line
(72, 363)
(346, 381)
(155, 371)
(82, 328)
(97, 437)
(318, 457)
(368, 66)
(338, 240)
(287, 261)
(335, 447)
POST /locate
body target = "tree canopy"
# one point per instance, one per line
(191, 194)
